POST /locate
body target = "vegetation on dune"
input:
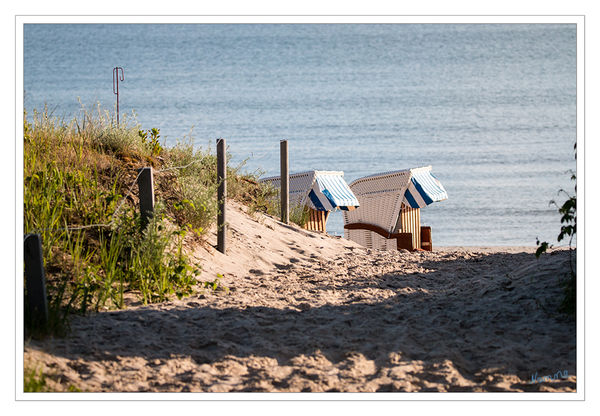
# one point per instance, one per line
(80, 196)
(36, 381)
(568, 229)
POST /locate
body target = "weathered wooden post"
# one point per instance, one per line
(285, 182)
(35, 279)
(221, 194)
(146, 193)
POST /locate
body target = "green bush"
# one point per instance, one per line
(196, 206)
(154, 261)
(568, 229)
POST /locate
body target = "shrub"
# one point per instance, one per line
(568, 229)
(194, 206)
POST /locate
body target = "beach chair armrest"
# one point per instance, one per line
(403, 240)
(371, 227)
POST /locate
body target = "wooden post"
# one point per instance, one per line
(35, 279)
(221, 194)
(285, 182)
(146, 193)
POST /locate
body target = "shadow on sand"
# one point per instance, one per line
(474, 314)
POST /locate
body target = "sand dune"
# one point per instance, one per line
(308, 312)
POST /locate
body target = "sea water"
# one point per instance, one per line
(492, 107)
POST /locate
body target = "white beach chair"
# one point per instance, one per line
(389, 214)
(320, 192)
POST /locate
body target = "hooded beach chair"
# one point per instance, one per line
(389, 214)
(319, 192)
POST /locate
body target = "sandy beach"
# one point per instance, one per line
(306, 312)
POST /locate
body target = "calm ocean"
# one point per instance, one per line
(491, 107)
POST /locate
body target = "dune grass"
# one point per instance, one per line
(80, 196)
(34, 381)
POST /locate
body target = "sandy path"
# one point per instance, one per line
(451, 320)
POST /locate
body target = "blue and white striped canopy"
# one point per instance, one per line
(331, 191)
(423, 189)
(321, 190)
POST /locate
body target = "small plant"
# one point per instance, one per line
(151, 264)
(568, 219)
(34, 381)
(216, 285)
(151, 142)
(299, 215)
(264, 199)
(568, 211)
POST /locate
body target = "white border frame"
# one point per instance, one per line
(578, 20)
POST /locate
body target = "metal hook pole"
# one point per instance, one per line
(116, 86)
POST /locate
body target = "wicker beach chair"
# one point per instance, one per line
(319, 192)
(389, 214)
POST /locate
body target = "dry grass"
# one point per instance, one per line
(80, 174)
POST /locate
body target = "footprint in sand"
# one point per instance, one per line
(299, 250)
(284, 266)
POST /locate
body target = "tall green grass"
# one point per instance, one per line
(78, 178)
(76, 175)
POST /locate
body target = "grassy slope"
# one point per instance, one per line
(80, 195)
